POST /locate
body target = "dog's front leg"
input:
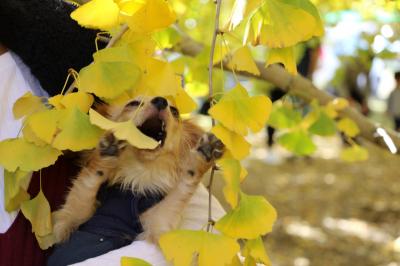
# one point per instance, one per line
(80, 203)
(166, 215)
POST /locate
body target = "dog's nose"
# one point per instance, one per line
(160, 103)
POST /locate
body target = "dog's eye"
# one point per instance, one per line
(133, 104)
(174, 111)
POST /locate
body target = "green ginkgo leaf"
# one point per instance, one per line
(37, 211)
(283, 117)
(299, 142)
(323, 126)
(75, 131)
(180, 246)
(20, 154)
(108, 79)
(253, 216)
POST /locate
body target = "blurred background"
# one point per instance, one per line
(332, 212)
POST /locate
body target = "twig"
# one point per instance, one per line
(306, 90)
(210, 95)
(111, 43)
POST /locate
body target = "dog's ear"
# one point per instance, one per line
(191, 132)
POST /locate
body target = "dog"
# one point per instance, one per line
(169, 173)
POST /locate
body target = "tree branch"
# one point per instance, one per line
(305, 89)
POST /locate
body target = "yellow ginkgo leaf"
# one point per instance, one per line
(43, 125)
(284, 56)
(184, 102)
(27, 104)
(37, 211)
(127, 261)
(18, 153)
(235, 143)
(237, 111)
(108, 79)
(158, 79)
(254, 216)
(46, 241)
(15, 186)
(124, 131)
(255, 248)
(280, 24)
(348, 127)
(152, 15)
(56, 101)
(30, 136)
(241, 60)
(240, 9)
(97, 14)
(180, 246)
(75, 132)
(81, 100)
(231, 174)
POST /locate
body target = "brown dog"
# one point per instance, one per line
(173, 169)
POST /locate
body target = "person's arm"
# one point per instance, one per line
(44, 36)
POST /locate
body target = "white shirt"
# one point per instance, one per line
(15, 81)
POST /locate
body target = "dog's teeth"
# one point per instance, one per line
(159, 142)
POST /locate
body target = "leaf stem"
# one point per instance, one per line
(210, 95)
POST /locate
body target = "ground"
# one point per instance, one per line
(330, 212)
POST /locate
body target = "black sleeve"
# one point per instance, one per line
(44, 36)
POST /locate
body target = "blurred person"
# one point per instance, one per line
(394, 102)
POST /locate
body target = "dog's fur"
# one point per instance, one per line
(175, 168)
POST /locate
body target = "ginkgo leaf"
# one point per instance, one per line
(184, 102)
(235, 143)
(355, 153)
(30, 136)
(18, 153)
(46, 241)
(283, 55)
(232, 177)
(124, 131)
(323, 126)
(15, 186)
(44, 124)
(336, 105)
(255, 248)
(97, 14)
(81, 100)
(56, 101)
(75, 131)
(158, 79)
(27, 104)
(241, 60)
(108, 79)
(237, 111)
(127, 261)
(348, 127)
(284, 117)
(121, 53)
(152, 15)
(298, 142)
(253, 216)
(37, 211)
(280, 23)
(180, 246)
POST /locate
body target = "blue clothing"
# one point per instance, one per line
(115, 224)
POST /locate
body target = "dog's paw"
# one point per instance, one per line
(210, 147)
(110, 146)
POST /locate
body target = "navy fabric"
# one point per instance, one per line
(115, 224)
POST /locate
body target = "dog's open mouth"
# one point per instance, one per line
(154, 127)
